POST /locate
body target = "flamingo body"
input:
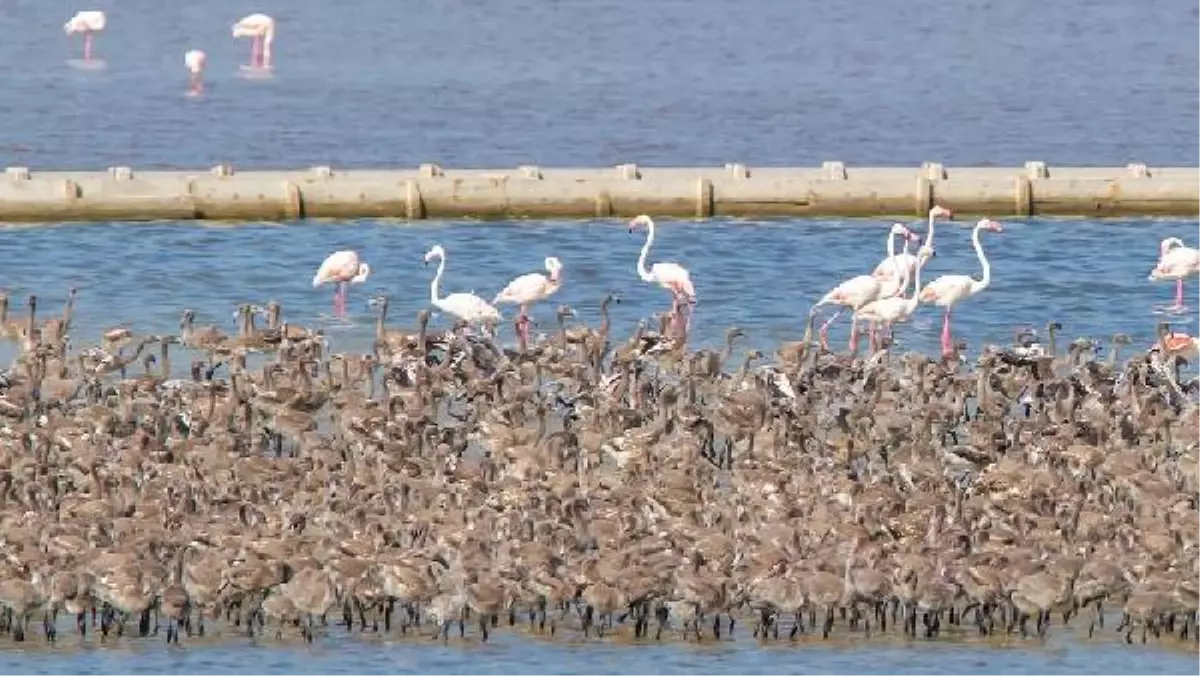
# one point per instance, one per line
(465, 306)
(533, 287)
(674, 278)
(88, 21)
(854, 292)
(194, 60)
(1176, 263)
(261, 28)
(341, 268)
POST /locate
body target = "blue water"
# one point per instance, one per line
(601, 82)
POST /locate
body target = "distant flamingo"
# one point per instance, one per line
(466, 306)
(858, 291)
(891, 310)
(194, 60)
(948, 290)
(261, 28)
(341, 268)
(671, 276)
(1177, 262)
(908, 262)
(89, 23)
(529, 289)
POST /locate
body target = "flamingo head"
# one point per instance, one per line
(553, 266)
(901, 229)
(436, 252)
(939, 211)
(639, 221)
(989, 224)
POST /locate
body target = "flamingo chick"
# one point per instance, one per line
(465, 306)
(341, 268)
(858, 291)
(948, 290)
(671, 276)
(194, 60)
(88, 22)
(1177, 262)
(529, 289)
(261, 29)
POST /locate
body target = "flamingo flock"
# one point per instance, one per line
(260, 28)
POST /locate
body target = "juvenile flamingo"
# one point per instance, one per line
(261, 29)
(1173, 343)
(466, 306)
(194, 60)
(858, 291)
(908, 262)
(529, 289)
(1177, 262)
(671, 276)
(341, 268)
(88, 22)
(893, 309)
(948, 290)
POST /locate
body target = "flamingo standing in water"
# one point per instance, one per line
(671, 276)
(261, 29)
(1177, 262)
(529, 289)
(466, 306)
(194, 60)
(948, 290)
(341, 268)
(908, 262)
(88, 22)
(858, 291)
(892, 309)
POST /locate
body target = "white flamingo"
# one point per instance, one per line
(529, 289)
(261, 29)
(893, 309)
(858, 291)
(1177, 262)
(341, 268)
(948, 290)
(88, 22)
(908, 262)
(671, 276)
(466, 306)
(194, 60)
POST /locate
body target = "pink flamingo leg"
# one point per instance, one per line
(946, 343)
(87, 46)
(255, 52)
(1179, 294)
(853, 335)
(523, 322)
(824, 330)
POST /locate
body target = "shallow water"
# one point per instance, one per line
(1091, 276)
(565, 82)
(599, 82)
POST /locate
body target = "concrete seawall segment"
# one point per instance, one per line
(431, 192)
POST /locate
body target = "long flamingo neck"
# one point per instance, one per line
(982, 284)
(916, 292)
(642, 270)
(437, 279)
(929, 230)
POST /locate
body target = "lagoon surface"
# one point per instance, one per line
(564, 82)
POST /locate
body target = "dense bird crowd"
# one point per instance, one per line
(590, 483)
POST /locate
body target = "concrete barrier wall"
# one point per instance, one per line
(429, 191)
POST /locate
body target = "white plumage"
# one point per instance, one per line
(88, 21)
(466, 306)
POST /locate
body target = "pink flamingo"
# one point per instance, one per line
(194, 60)
(261, 29)
(529, 289)
(341, 268)
(89, 23)
(858, 291)
(893, 309)
(670, 276)
(908, 262)
(948, 290)
(1177, 262)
